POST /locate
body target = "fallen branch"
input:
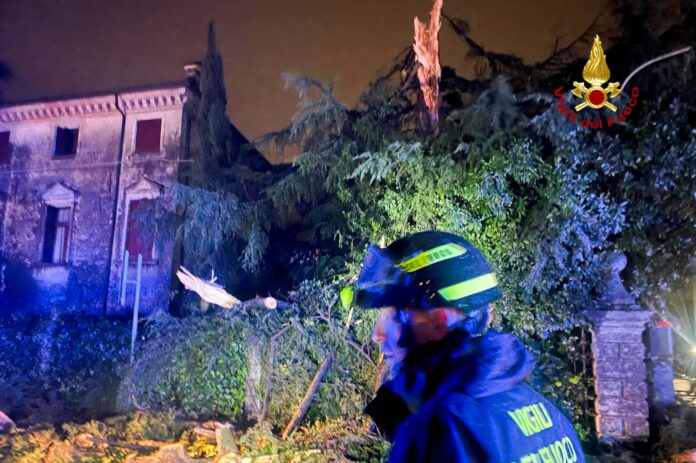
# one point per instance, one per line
(209, 291)
(212, 293)
(307, 400)
(269, 303)
(269, 373)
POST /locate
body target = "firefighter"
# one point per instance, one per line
(456, 392)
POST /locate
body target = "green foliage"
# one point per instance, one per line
(87, 357)
(544, 200)
(28, 448)
(211, 137)
(528, 214)
(83, 356)
(315, 328)
(259, 440)
(321, 442)
(563, 361)
(219, 211)
(217, 216)
(677, 436)
(197, 366)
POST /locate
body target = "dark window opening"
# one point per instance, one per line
(56, 234)
(140, 234)
(4, 147)
(147, 136)
(66, 141)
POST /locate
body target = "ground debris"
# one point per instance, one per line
(171, 453)
(6, 424)
(204, 434)
(134, 439)
(226, 443)
(685, 457)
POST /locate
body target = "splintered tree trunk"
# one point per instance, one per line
(427, 49)
(307, 401)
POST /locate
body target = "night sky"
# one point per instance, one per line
(65, 47)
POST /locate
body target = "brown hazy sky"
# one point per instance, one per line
(64, 47)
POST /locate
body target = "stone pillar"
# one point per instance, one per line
(661, 372)
(621, 382)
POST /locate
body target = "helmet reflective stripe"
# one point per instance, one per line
(469, 287)
(431, 256)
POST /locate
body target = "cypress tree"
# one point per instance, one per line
(212, 144)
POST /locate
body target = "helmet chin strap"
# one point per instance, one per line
(477, 321)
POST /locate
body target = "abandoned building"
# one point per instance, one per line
(73, 171)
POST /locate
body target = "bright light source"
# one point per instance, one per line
(693, 349)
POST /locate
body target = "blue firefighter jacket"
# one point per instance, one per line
(463, 399)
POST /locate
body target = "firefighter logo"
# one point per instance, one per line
(596, 73)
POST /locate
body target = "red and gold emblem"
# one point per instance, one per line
(596, 73)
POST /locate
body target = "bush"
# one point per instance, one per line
(318, 328)
(199, 365)
(677, 436)
(196, 365)
(68, 365)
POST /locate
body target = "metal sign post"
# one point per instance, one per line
(122, 296)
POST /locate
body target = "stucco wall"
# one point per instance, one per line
(81, 282)
(92, 174)
(144, 175)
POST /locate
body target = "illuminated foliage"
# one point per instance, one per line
(196, 366)
(544, 199)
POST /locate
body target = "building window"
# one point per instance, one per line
(140, 234)
(4, 148)
(56, 235)
(147, 136)
(66, 141)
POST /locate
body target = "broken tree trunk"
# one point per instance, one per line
(307, 401)
(211, 292)
(208, 291)
(269, 303)
(426, 49)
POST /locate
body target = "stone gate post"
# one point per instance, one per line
(619, 359)
(621, 380)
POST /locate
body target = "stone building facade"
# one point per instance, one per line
(72, 173)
